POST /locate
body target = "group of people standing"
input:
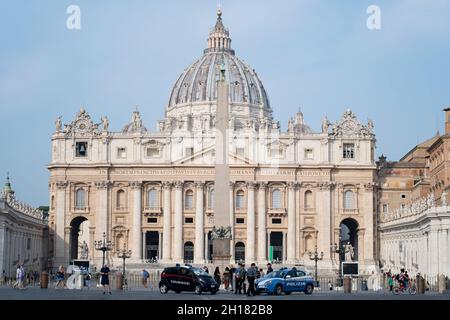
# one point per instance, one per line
(240, 279)
(402, 278)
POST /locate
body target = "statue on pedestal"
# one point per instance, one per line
(58, 125)
(84, 254)
(349, 252)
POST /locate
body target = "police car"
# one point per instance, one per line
(287, 281)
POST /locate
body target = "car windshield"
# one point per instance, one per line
(276, 274)
(199, 272)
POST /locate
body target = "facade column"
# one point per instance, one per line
(326, 222)
(160, 245)
(250, 250)
(136, 246)
(60, 214)
(199, 224)
(284, 247)
(178, 223)
(232, 223)
(2, 246)
(262, 256)
(369, 236)
(101, 217)
(268, 247)
(291, 235)
(143, 245)
(167, 213)
(206, 247)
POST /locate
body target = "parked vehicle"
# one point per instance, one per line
(285, 281)
(187, 278)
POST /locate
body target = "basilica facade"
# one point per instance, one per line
(290, 193)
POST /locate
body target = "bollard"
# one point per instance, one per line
(44, 280)
(119, 281)
(420, 281)
(347, 285)
(442, 284)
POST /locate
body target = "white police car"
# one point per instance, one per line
(287, 281)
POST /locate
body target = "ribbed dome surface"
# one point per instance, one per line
(197, 85)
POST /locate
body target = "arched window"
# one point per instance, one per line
(120, 199)
(153, 198)
(189, 200)
(308, 200)
(349, 200)
(276, 199)
(211, 199)
(53, 203)
(188, 252)
(309, 243)
(240, 199)
(80, 198)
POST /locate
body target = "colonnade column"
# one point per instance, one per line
(60, 212)
(291, 235)
(250, 250)
(178, 223)
(167, 249)
(262, 255)
(232, 222)
(199, 225)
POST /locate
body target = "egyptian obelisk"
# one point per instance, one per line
(222, 232)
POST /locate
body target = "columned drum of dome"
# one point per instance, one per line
(195, 92)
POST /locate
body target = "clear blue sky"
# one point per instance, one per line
(314, 54)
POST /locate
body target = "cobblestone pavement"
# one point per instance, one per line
(35, 293)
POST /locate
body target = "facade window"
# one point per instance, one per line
(308, 200)
(152, 220)
(211, 199)
(188, 220)
(120, 199)
(276, 221)
(403, 196)
(309, 154)
(153, 152)
(349, 200)
(52, 204)
(385, 208)
(240, 199)
(349, 151)
(80, 198)
(275, 152)
(189, 200)
(240, 220)
(189, 152)
(121, 153)
(240, 152)
(276, 199)
(81, 149)
(153, 198)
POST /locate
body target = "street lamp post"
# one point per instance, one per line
(124, 254)
(103, 245)
(316, 257)
(336, 249)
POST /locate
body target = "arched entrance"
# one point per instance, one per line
(188, 252)
(79, 233)
(239, 252)
(348, 233)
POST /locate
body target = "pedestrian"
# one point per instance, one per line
(269, 268)
(390, 282)
(232, 278)
(205, 268)
(251, 277)
(330, 286)
(226, 278)
(145, 276)
(4, 277)
(217, 276)
(104, 272)
(18, 277)
(60, 277)
(88, 280)
(23, 276)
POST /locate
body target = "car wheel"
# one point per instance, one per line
(198, 289)
(309, 289)
(163, 288)
(278, 290)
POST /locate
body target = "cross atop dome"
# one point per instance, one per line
(219, 37)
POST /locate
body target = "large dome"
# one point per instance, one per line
(195, 92)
